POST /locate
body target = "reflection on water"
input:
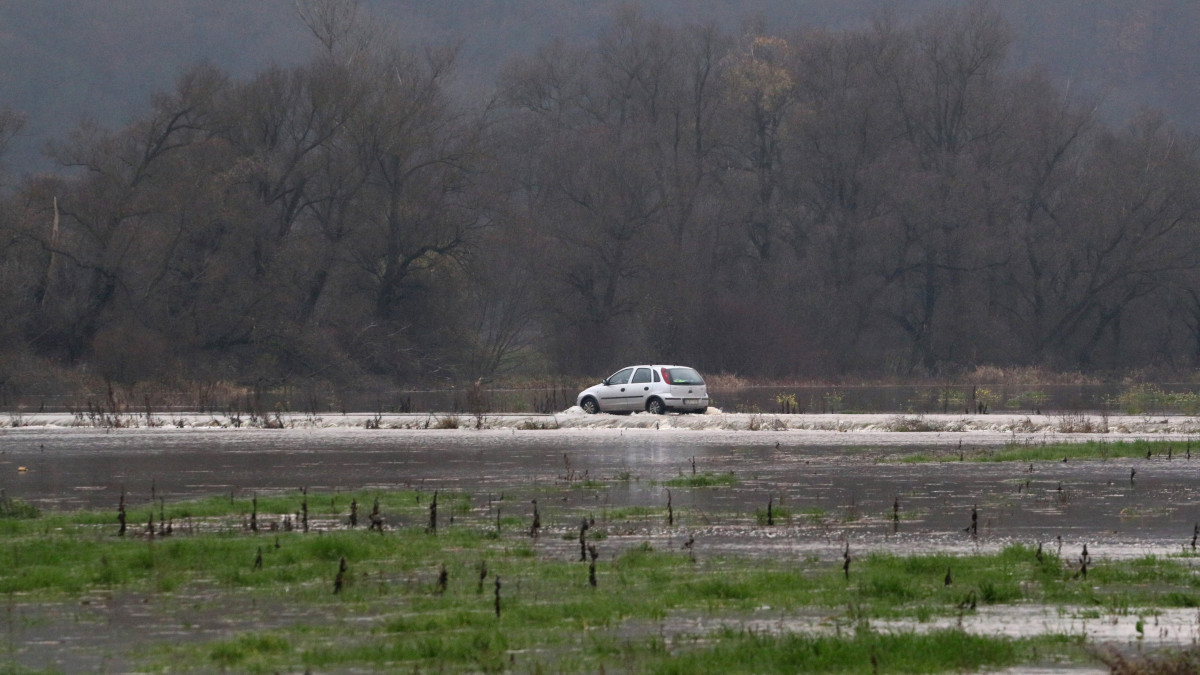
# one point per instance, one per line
(818, 491)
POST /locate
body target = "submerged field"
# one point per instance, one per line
(754, 555)
(481, 591)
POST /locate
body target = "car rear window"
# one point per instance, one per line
(682, 376)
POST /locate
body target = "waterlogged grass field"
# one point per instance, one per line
(1052, 452)
(473, 586)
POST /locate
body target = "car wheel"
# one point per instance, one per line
(590, 406)
(655, 406)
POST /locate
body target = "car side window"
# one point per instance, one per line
(641, 376)
(621, 376)
(656, 377)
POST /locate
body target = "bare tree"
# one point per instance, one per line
(764, 87)
(340, 27)
(114, 238)
(11, 124)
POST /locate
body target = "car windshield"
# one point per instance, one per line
(682, 376)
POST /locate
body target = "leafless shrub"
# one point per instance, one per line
(912, 423)
(106, 415)
(1062, 496)
(759, 422)
(203, 395)
(1079, 423)
(726, 382)
(551, 400)
(1025, 425)
(1025, 375)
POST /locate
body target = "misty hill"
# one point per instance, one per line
(66, 60)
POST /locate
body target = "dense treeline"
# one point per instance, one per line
(893, 200)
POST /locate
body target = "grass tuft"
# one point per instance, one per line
(17, 508)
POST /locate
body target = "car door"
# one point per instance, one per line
(639, 385)
(617, 394)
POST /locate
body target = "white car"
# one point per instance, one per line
(655, 389)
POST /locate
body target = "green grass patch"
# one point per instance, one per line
(17, 508)
(774, 515)
(1148, 398)
(864, 651)
(390, 611)
(1100, 450)
(1057, 452)
(251, 652)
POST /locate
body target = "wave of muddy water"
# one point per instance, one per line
(836, 476)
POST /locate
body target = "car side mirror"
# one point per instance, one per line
(604, 382)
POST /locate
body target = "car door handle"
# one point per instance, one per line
(645, 388)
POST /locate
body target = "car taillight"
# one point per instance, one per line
(666, 376)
